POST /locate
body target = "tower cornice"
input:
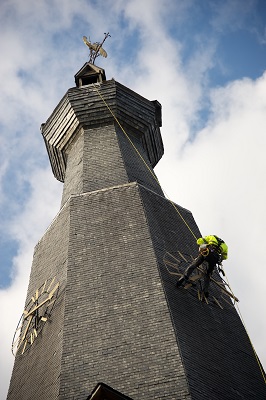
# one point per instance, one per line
(101, 104)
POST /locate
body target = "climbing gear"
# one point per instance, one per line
(180, 282)
(204, 250)
(220, 269)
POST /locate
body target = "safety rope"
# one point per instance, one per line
(249, 338)
(180, 215)
(147, 166)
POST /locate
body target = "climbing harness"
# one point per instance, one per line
(204, 250)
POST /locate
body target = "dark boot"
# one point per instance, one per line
(181, 281)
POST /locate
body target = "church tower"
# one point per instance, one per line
(103, 318)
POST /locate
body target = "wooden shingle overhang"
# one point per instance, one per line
(83, 107)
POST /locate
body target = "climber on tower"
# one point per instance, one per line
(211, 249)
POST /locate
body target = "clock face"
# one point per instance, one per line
(35, 315)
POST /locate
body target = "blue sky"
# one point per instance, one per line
(205, 62)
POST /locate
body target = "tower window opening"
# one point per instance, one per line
(87, 80)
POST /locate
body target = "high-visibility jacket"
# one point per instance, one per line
(212, 240)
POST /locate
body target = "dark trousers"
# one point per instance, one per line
(212, 259)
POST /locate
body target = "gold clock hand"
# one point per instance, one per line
(25, 333)
(35, 308)
(24, 347)
(43, 302)
(27, 328)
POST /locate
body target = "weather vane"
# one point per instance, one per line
(96, 48)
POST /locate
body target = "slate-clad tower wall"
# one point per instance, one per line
(36, 373)
(118, 317)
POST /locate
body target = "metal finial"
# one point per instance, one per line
(96, 48)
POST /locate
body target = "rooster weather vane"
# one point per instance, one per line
(96, 48)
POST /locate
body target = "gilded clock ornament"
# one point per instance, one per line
(35, 315)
